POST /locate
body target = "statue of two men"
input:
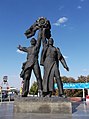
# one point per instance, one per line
(50, 58)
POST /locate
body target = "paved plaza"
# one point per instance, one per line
(80, 111)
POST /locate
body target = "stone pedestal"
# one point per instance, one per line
(53, 105)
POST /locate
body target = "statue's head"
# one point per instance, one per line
(50, 41)
(33, 41)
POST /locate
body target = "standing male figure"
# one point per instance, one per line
(32, 64)
(50, 58)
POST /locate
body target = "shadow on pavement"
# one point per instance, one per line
(74, 106)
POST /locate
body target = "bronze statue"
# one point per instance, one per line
(50, 58)
(31, 64)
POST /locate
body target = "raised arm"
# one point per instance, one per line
(44, 41)
(62, 59)
(24, 49)
(38, 44)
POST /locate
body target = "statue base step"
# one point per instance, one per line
(53, 105)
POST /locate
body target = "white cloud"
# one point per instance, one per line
(79, 7)
(56, 24)
(65, 56)
(21, 52)
(60, 21)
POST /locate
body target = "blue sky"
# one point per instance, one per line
(70, 31)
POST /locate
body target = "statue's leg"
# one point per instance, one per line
(45, 82)
(51, 79)
(37, 73)
(26, 82)
(45, 86)
(59, 82)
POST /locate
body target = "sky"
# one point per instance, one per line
(69, 28)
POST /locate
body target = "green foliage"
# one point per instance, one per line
(34, 89)
(67, 92)
(67, 79)
(82, 79)
(74, 92)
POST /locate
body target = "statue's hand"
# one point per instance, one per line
(19, 47)
(67, 68)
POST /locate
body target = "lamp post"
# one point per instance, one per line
(83, 94)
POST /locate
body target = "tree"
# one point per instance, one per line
(88, 78)
(67, 79)
(34, 89)
(67, 92)
(64, 79)
(81, 79)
